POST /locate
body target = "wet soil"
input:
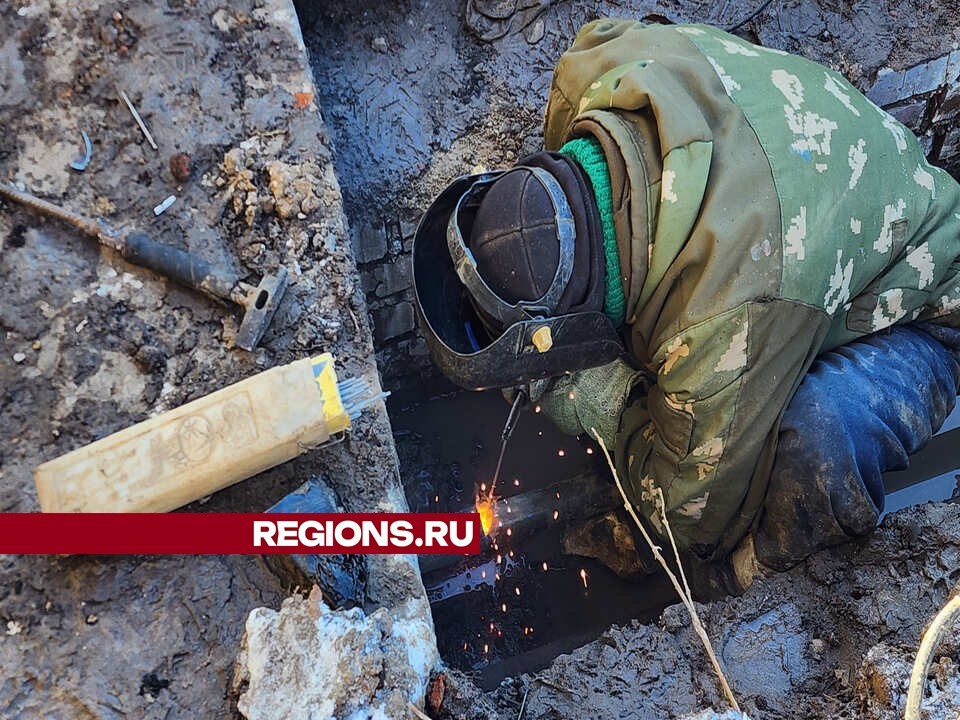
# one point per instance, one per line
(90, 344)
(833, 638)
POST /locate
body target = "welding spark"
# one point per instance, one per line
(536, 408)
(571, 395)
(516, 482)
(589, 451)
(509, 532)
(583, 576)
(503, 607)
(561, 452)
(485, 506)
(517, 589)
(556, 514)
(486, 648)
(544, 567)
(436, 498)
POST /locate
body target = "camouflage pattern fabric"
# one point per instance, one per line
(765, 212)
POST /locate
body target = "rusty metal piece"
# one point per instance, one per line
(435, 692)
(180, 167)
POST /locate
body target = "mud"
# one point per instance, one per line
(91, 344)
(834, 638)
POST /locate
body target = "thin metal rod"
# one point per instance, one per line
(357, 394)
(82, 223)
(518, 402)
(94, 228)
(136, 116)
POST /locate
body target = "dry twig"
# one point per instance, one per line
(683, 591)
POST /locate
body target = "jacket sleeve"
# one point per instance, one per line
(706, 432)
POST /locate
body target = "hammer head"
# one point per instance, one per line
(260, 306)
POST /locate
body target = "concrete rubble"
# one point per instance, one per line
(342, 664)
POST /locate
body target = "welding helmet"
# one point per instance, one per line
(490, 316)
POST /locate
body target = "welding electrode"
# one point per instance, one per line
(518, 402)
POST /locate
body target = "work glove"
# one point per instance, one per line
(589, 399)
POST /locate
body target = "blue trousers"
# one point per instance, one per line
(861, 410)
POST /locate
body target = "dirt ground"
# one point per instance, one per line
(833, 638)
(90, 344)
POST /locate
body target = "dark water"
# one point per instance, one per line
(504, 611)
(517, 607)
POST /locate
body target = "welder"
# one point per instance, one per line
(730, 264)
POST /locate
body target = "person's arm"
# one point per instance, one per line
(705, 432)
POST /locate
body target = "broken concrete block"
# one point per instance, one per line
(892, 86)
(308, 662)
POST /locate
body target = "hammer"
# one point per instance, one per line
(258, 302)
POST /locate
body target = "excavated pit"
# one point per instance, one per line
(404, 123)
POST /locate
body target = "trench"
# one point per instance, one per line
(403, 123)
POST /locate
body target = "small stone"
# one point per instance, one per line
(91, 619)
(36, 345)
(108, 35)
(14, 627)
(117, 16)
(380, 44)
(535, 32)
(19, 357)
(180, 167)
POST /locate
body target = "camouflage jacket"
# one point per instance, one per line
(765, 211)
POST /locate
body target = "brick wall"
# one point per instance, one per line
(382, 251)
